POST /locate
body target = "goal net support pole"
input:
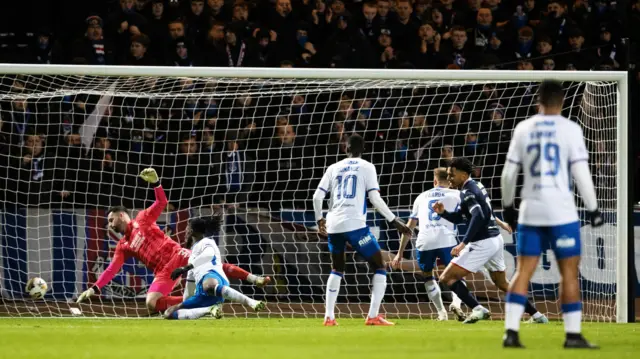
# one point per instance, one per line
(375, 79)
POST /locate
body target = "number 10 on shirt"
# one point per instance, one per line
(346, 188)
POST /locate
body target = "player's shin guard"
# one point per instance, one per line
(514, 310)
(572, 316)
(377, 292)
(167, 301)
(433, 291)
(233, 295)
(333, 289)
(194, 313)
(463, 293)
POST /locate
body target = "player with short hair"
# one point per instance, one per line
(436, 238)
(205, 272)
(550, 149)
(144, 240)
(350, 181)
(482, 245)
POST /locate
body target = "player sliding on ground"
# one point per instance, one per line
(144, 240)
(482, 244)
(350, 181)
(206, 274)
(436, 238)
(548, 146)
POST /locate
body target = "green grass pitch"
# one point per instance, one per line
(297, 338)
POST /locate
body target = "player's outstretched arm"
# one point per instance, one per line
(508, 182)
(404, 239)
(453, 217)
(318, 199)
(582, 175)
(106, 276)
(152, 213)
(381, 206)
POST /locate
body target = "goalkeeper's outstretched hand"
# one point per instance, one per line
(150, 175)
(86, 294)
(180, 271)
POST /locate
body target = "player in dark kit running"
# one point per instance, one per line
(144, 240)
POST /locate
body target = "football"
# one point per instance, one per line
(36, 287)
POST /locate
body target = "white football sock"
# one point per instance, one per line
(433, 291)
(537, 315)
(455, 300)
(572, 322)
(377, 293)
(333, 289)
(513, 316)
(480, 307)
(252, 278)
(194, 313)
(235, 296)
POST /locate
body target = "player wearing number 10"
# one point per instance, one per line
(546, 147)
(350, 181)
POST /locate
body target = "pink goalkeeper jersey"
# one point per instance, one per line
(143, 240)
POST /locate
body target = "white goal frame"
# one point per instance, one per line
(620, 77)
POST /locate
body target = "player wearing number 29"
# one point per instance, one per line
(350, 181)
(482, 245)
(547, 147)
(144, 240)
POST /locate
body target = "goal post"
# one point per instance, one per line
(599, 99)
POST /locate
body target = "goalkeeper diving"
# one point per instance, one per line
(144, 240)
(206, 276)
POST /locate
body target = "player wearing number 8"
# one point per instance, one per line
(547, 147)
(350, 181)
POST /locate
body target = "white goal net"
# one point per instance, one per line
(73, 145)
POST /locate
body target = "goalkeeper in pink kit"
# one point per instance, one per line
(144, 240)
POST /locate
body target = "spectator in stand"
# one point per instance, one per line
(157, 29)
(214, 50)
(440, 27)
(486, 37)
(239, 53)
(426, 55)
(405, 28)
(457, 52)
(446, 155)
(548, 64)
(38, 177)
(524, 48)
(369, 22)
(197, 22)
(284, 21)
(450, 16)
(192, 183)
(608, 47)
(138, 52)
(386, 50)
(385, 15)
(218, 10)
(544, 50)
(124, 24)
(182, 54)
(92, 47)
(532, 12)
(267, 52)
(499, 12)
(557, 25)
(306, 49)
(578, 57)
(240, 20)
(347, 47)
